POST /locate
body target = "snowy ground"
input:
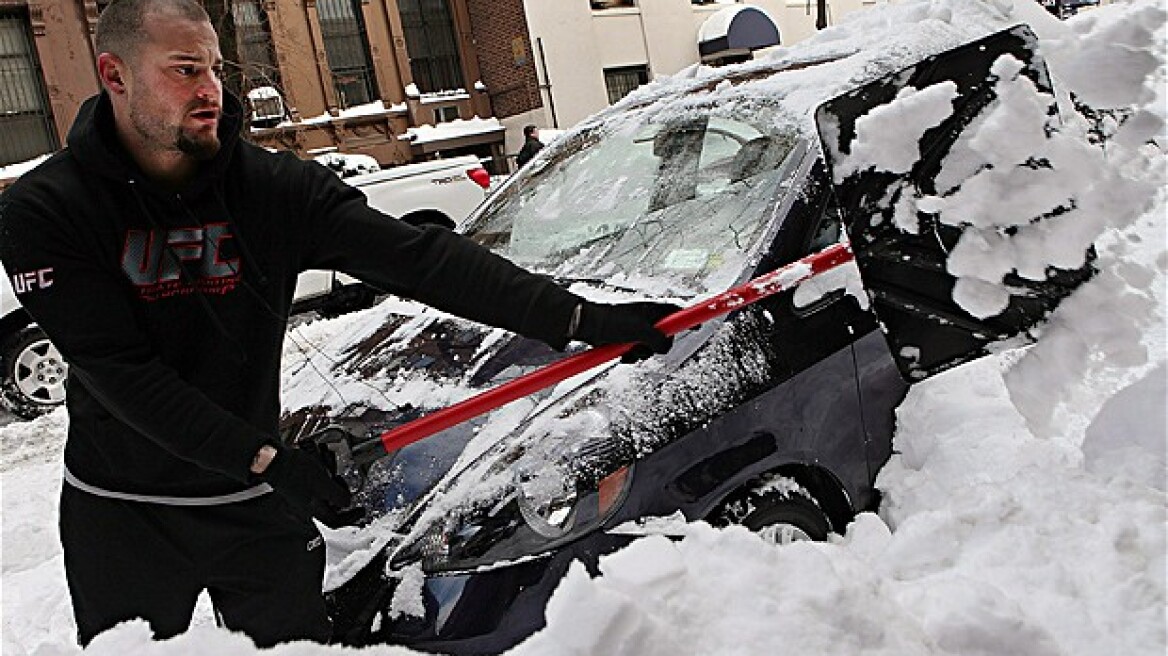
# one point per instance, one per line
(1024, 510)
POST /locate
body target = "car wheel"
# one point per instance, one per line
(32, 373)
(781, 512)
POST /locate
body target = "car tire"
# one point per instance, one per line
(32, 374)
(781, 515)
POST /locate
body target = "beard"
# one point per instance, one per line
(200, 146)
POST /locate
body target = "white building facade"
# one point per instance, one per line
(588, 53)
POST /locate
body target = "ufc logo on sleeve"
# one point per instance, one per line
(27, 281)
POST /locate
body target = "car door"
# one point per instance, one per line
(904, 272)
(812, 328)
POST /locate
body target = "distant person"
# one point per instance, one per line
(531, 146)
(164, 251)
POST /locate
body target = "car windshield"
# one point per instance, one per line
(668, 205)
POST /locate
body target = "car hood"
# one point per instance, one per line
(399, 361)
(610, 415)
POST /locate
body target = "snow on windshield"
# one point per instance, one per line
(677, 194)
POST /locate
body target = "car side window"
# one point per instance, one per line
(828, 230)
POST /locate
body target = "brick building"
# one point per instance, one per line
(400, 80)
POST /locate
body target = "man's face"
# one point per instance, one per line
(175, 96)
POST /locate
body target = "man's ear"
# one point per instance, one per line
(111, 72)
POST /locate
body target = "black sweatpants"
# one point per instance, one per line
(261, 565)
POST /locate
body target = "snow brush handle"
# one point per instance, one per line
(684, 319)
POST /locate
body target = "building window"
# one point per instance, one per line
(343, 29)
(620, 81)
(431, 44)
(446, 114)
(26, 120)
(254, 37)
(609, 4)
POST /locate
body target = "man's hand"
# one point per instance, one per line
(598, 324)
(305, 484)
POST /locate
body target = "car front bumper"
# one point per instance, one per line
(480, 612)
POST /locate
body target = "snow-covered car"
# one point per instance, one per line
(777, 417)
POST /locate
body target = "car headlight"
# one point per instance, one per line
(546, 496)
(554, 496)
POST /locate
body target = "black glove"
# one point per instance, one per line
(308, 486)
(598, 324)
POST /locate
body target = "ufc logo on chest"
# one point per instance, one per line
(144, 264)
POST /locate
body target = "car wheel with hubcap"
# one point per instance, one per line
(779, 510)
(32, 373)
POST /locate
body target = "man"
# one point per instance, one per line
(166, 252)
(531, 145)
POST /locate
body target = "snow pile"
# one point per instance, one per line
(1111, 60)
(1025, 509)
(23, 442)
(1121, 442)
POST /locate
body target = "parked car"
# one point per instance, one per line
(442, 192)
(32, 371)
(777, 417)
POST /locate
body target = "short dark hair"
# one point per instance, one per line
(119, 28)
(529, 130)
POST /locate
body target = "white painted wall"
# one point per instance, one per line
(571, 58)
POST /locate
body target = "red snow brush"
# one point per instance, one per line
(735, 298)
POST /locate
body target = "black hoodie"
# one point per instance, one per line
(170, 308)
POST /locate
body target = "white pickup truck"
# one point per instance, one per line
(444, 192)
